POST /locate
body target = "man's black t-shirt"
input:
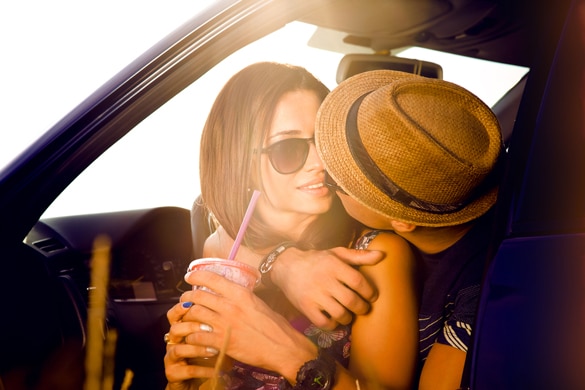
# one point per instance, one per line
(451, 290)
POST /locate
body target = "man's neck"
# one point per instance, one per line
(435, 240)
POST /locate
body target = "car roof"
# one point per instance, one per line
(486, 29)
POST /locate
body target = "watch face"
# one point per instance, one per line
(315, 375)
(320, 381)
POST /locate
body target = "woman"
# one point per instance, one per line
(259, 135)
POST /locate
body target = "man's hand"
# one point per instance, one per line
(324, 285)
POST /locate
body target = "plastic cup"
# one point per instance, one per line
(236, 271)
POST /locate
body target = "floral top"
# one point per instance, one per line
(336, 343)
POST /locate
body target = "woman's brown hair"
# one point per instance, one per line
(234, 132)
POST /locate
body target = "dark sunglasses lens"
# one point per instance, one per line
(289, 156)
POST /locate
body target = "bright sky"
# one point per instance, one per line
(53, 55)
(57, 53)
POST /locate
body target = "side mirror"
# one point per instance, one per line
(352, 64)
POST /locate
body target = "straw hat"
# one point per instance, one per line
(411, 148)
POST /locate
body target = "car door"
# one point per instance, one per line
(529, 328)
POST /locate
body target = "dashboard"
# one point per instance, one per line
(150, 251)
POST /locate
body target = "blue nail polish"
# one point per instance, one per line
(187, 305)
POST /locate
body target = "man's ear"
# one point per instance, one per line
(402, 227)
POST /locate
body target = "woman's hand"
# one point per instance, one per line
(255, 334)
(180, 370)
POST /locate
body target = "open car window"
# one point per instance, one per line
(156, 164)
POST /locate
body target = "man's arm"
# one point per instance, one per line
(323, 285)
(443, 368)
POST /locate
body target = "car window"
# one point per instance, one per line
(56, 53)
(156, 164)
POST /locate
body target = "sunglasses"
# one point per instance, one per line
(329, 182)
(289, 155)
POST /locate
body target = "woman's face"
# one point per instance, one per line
(290, 199)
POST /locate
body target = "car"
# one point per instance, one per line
(532, 310)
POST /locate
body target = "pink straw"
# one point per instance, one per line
(244, 225)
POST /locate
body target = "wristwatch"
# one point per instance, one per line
(318, 374)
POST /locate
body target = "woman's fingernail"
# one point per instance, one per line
(187, 305)
(211, 350)
(205, 328)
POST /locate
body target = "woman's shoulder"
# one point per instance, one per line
(219, 244)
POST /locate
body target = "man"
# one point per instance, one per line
(417, 156)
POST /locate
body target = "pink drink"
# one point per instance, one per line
(236, 271)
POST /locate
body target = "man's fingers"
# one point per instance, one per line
(358, 256)
(358, 288)
(338, 312)
(321, 319)
(352, 302)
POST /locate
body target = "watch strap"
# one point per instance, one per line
(317, 374)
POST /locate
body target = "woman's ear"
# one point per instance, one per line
(402, 227)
